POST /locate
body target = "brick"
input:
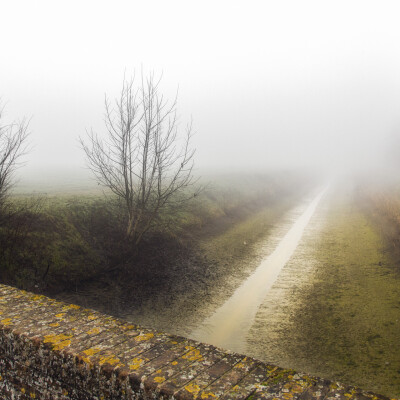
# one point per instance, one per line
(53, 350)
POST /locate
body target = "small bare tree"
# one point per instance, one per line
(12, 147)
(143, 160)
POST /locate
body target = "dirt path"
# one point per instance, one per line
(228, 325)
(335, 309)
(181, 285)
(204, 281)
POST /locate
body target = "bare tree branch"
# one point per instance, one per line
(142, 160)
(12, 147)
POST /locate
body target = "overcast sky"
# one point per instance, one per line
(268, 83)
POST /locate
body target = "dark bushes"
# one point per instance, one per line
(62, 243)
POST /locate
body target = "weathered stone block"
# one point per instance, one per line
(51, 350)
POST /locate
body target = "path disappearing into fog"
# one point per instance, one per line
(229, 324)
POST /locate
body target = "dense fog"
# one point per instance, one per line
(268, 84)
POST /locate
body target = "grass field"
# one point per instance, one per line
(348, 327)
(61, 240)
(344, 323)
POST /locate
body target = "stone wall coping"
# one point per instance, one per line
(54, 350)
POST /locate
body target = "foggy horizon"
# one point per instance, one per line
(200, 199)
(269, 86)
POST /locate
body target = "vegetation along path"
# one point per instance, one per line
(228, 326)
(335, 308)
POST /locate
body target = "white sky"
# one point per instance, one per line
(266, 82)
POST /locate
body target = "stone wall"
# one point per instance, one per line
(53, 350)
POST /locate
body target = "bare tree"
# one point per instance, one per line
(12, 147)
(143, 160)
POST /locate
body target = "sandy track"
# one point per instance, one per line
(227, 327)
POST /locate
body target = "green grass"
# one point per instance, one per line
(349, 326)
(76, 237)
(242, 236)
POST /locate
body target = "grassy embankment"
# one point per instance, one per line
(348, 327)
(382, 203)
(65, 242)
(182, 278)
(224, 252)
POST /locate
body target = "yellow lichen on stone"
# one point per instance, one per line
(192, 355)
(174, 363)
(6, 321)
(207, 395)
(91, 317)
(287, 396)
(241, 363)
(293, 387)
(55, 324)
(111, 359)
(93, 331)
(144, 337)
(59, 342)
(136, 363)
(60, 316)
(32, 395)
(91, 351)
(351, 393)
(38, 297)
(71, 307)
(271, 369)
(333, 385)
(159, 379)
(56, 338)
(192, 388)
(62, 345)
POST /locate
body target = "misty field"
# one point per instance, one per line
(338, 316)
(60, 242)
(333, 312)
(156, 157)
